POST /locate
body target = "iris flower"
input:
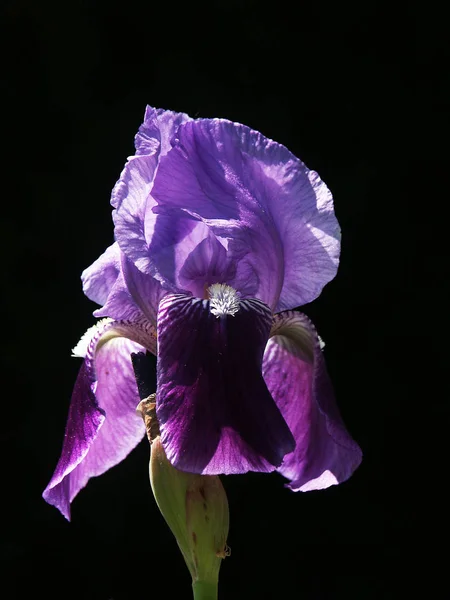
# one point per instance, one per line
(219, 234)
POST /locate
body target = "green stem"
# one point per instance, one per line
(205, 590)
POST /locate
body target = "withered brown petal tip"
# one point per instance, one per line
(147, 409)
(224, 553)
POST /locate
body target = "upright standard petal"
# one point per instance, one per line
(131, 195)
(186, 256)
(102, 426)
(159, 245)
(157, 130)
(276, 214)
(295, 373)
(214, 410)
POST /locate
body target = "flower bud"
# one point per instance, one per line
(195, 507)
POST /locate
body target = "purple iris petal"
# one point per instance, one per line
(126, 293)
(168, 240)
(102, 426)
(132, 198)
(131, 195)
(83, 424)
(145, 291)
(133, 297)
(276, 214)
(178, 237)
(100, 277)
(157, 130)
(189, 255)
(206, 264)
(295, 373)
(214, 410)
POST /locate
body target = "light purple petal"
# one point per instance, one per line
(171, 239)
(153, 141)
(100, 277)
(144, 289)
(131, 195)
(214, 410)
(134, 296)
(157, 130)
(168, 241)
(132, 198)
(276, 213)
(206, 264)
(102, 426)
(188, 254)
(135, 223)
(295, 373)
(146, 238)
(125, 292)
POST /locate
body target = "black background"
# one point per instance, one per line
(341, 86)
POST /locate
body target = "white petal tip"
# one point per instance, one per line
(80, 350)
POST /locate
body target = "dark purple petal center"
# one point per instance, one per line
(214, 409)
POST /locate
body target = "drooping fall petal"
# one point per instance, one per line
(102, 426)
(214, 410)
(295, 373)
